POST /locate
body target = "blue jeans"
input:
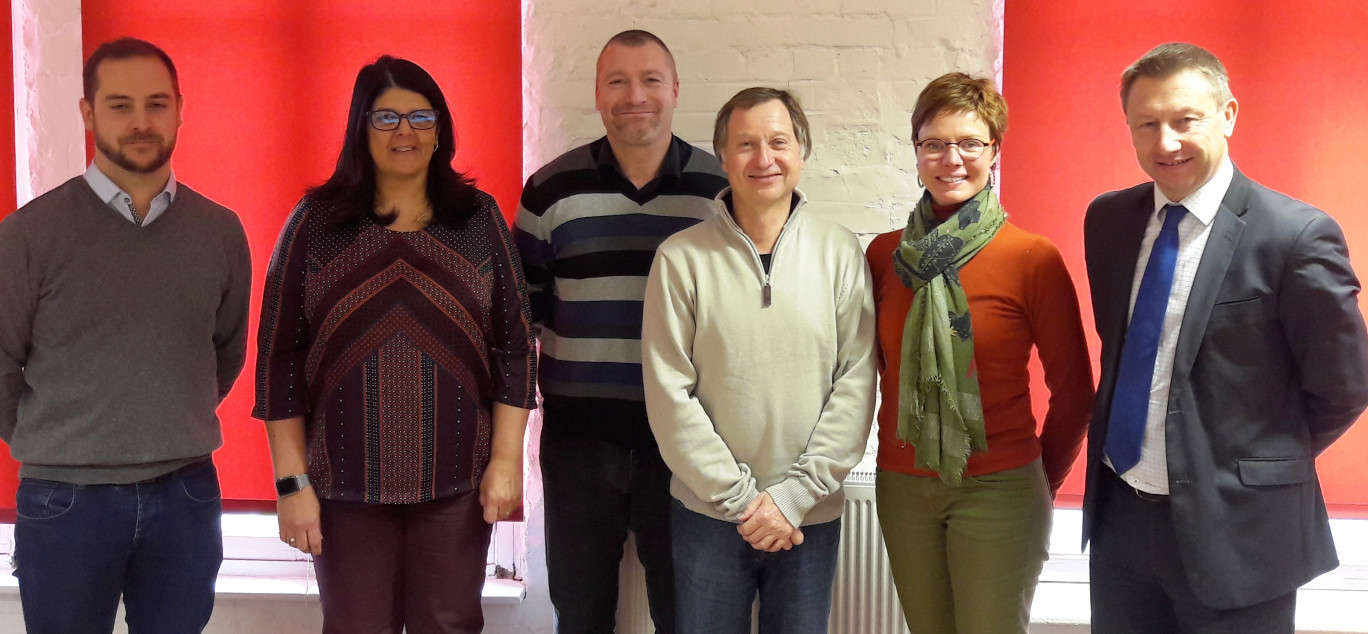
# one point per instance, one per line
(718, 575)
(158, 543)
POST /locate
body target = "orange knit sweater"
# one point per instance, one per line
(1020, 295)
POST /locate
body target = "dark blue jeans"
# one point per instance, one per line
(718, 575)
(157, 543)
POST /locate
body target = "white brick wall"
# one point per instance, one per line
(857, 66)
(48, 132)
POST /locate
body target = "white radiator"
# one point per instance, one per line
(863, 599)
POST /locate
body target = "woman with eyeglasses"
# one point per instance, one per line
(965, 484)
(396, 368)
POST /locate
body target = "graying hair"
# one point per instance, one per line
(1166, 60)
(752, 97)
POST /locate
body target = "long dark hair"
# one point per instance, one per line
(350, 192)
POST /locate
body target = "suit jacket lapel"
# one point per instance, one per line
(1211, 272)
(1129, 233)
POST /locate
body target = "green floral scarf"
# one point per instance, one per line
(939, 409)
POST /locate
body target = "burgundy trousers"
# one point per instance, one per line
(387, 567)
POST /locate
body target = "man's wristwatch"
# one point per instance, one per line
(290, 485)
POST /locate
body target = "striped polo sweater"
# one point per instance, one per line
(587, 237)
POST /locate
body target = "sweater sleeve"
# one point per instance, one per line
(838, 441)
(688, 441)
(1057, 328)
(230, 329)
(533, 240)
(18, 301)
(283, 334)
(513, 352)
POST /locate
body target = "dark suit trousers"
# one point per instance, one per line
(595, 492)
(1138, 582)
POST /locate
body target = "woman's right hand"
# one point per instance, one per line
(299, 527)
(297, 512)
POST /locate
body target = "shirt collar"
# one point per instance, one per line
(723, 200)
(1206, 201)
(672, 167)
(113, 196)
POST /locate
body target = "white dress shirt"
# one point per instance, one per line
(1151, 473)
(120, 201)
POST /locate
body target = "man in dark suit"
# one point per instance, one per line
(1233, 353)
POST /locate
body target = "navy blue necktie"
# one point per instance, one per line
(1130, 399)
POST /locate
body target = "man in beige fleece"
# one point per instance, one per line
(758, 357)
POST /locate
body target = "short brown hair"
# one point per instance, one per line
(1172, 58)
(959, 93)
(123, 48)
(638, 37)
(752, 97)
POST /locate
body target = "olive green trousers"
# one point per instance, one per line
(966, 559)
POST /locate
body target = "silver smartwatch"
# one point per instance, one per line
(290, 485)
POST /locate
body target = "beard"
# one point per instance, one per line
(117, 156)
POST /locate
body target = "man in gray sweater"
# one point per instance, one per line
(123, 310)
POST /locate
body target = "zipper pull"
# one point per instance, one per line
(766, 301)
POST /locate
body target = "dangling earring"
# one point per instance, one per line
(435, 144)
(992, 177)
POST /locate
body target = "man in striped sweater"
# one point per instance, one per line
(588, 226)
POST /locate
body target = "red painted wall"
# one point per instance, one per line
(1296, 68)
(9, 472)
(267, 85)
(6, 106)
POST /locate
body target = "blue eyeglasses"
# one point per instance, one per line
(386, 120)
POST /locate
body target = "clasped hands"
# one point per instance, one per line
(766, 528)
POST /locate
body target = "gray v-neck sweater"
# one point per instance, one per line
(117, 342)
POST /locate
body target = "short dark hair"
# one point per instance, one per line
(350, 191)
(752, 97)
(959, 93)
(638, 37)
(1169, 59)
(123, 48)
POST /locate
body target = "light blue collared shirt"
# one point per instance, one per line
(120, 201)
(1194, 231)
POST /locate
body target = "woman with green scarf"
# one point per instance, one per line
(965, 484)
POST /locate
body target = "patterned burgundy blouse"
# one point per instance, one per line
(394, 347)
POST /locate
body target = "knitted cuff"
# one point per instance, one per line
(793, 499)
